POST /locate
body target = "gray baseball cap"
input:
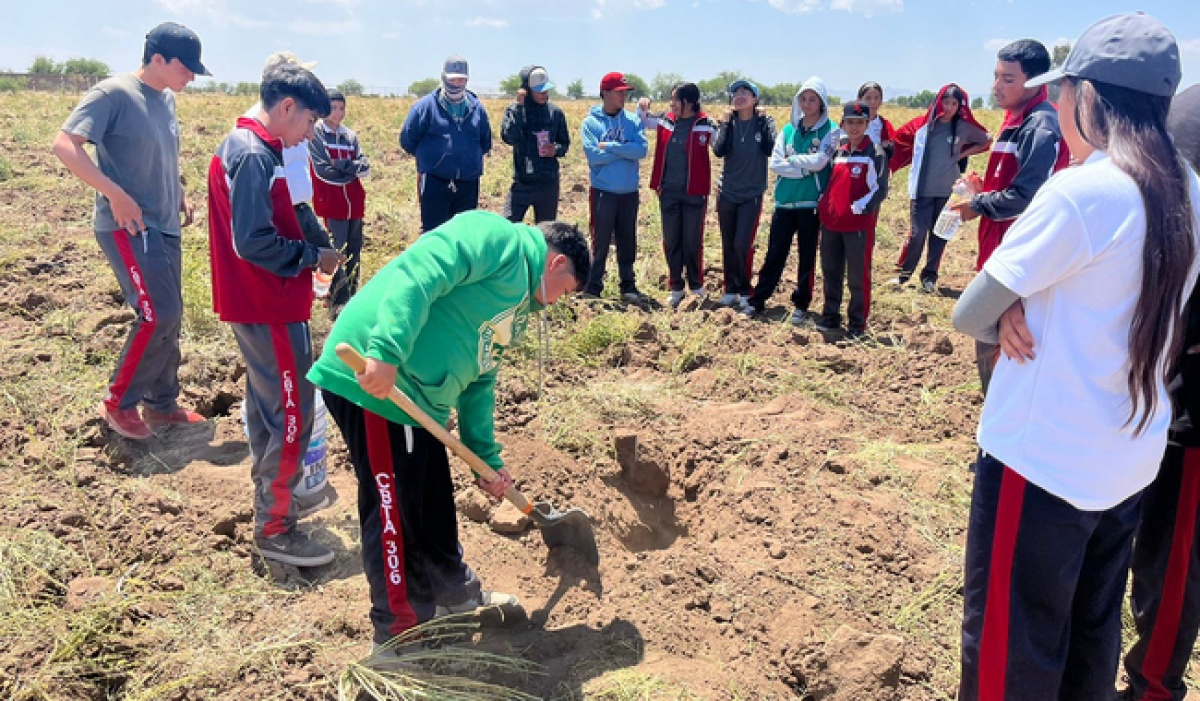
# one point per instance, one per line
(455, 67)
(1132, 50)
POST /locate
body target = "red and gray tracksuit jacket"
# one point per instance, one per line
(337, 167)
(699, 180)
(261, 264)
(858, 184)
(1027, 152)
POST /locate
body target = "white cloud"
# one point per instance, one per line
(795, 7)
(394, 34)
(1190, 47)
(487, 22)
(649, 4)
(994, 45)
(869, 8)
(216, 12)
(318, 27)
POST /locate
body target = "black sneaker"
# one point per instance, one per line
(929, 286)
(856, 335)
(294, 548)
(633, 296)
(828, 322)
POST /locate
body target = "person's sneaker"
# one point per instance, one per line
(634, 296)
(699, 292)
(675, 298)
(730, 299)
(176, 417)
(929, 286)
(310, 504)
(125, 422)
(899, 281)
(799, 317)
(294, 548)
(748, 310)
(856, 335)
(827, 323)
(490, 608)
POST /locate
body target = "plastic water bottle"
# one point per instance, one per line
(317, 454)
(949, 221)
(321, 282)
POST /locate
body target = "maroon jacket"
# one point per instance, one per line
(261, 264)
(699, 181)
(857, 187)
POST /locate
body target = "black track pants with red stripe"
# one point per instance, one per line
(410, 550)
(683, 238)
(739, 225)
(279, 417)
(1043, 592)
(847, 255)
(149, 269)
(1166, 579)
(612, 219)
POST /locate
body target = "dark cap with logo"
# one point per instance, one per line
(173, 40)
(1133, 51)
(856, 110)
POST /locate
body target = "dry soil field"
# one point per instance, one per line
(808, 544)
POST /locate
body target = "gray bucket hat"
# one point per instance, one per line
(1132, 50)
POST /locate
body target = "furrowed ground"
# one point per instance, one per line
(808, 544)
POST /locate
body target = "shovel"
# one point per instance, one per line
(571, 528)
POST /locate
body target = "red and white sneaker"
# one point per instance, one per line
(125, 422)
(176, 417)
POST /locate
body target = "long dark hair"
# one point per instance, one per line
(1131, 127)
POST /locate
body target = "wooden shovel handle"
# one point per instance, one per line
(358, 364)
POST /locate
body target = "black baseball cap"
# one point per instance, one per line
(173, 40)
(856, 110)
(1132, 50)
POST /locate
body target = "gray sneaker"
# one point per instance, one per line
(323, 498)
(929, 286)
(634, 296)
(294, 548)
(491, 608)
(800, 317)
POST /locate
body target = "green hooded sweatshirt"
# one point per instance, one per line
(444, 312)
(801, 156)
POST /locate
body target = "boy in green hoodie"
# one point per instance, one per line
(436, 322)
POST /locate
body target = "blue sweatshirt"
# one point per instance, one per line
(615, 167)
(444, 148)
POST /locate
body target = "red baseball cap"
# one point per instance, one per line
(614, 81)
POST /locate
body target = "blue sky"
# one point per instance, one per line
(907, 45)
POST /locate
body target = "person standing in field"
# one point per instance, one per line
(879, 129)
(682, 176)
(1085, 296)
(338, 166)
(613, 142)
(1166, 548)
(745, 138)
(934, 143)
(1027, 151)
(537, 130)
(449, 134)
(848, 211)
(800, 159)
(130, 118)
(262, 287)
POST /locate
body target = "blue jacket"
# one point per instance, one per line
(443, 148)
(615, 168)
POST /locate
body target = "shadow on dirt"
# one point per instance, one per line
(171, 449)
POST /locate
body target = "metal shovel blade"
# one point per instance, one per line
(571, 528)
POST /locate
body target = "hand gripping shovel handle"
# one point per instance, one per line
(358, 364)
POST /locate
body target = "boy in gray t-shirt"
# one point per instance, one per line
(130, 118)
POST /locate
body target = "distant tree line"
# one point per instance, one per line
(44, 65)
